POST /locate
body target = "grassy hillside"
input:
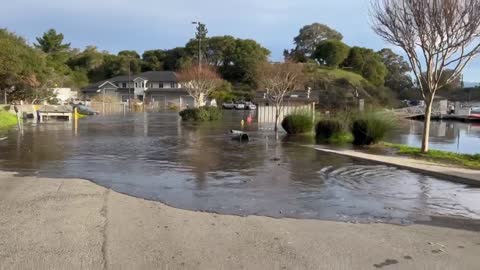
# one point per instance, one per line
(334, 75)
(338, 89)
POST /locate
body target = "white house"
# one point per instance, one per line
(161, 87)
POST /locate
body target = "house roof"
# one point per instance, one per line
(295, 96)
(159, 76)
(151, 76)
(167, 90)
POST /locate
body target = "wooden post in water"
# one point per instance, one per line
(75, 120)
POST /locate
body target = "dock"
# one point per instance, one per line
(440, 112)
(47, 112)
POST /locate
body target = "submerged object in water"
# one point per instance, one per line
(239, 135)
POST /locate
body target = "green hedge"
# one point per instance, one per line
(298, 123)
(202, 114)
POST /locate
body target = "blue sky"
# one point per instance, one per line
(140, 25)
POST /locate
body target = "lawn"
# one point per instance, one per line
(444, 157)
(7, 119)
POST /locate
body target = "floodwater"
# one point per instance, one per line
(197, 166)
(453, 136)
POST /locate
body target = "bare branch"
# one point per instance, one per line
(199, 81)
(279, 80)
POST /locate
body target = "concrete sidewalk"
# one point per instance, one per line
(454, 174)
(75, 224)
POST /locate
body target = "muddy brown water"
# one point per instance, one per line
(198, 167)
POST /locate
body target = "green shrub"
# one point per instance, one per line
(327, 128)
(214, 113)
(298, 123)
(202, 114)
(371, 128)
(334, 130)
(173, 107)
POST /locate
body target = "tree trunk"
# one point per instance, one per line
(426, 125)
(200, 100)
(277, 116)
(276, 126)
(196, 101)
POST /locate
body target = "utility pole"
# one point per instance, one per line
(129, 88)
(199, 44)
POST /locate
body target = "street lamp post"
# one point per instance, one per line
(199, 46)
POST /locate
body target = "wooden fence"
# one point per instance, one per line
(108, 108)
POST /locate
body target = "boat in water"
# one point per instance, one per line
(82, 109)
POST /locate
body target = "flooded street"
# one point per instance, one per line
(198, 167)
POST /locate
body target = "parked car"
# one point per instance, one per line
(228, 105)
(250, 106)
(239, 106)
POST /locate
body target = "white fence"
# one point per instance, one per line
(266, 114)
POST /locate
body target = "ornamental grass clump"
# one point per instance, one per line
(370, 128)
(298, 123)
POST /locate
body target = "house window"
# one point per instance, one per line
(136, 85)
(124, 85)
(160, 85)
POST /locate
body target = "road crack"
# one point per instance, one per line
(104, 214)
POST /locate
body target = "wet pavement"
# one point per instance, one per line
(198, 167)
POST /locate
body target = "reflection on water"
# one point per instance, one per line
(198, 166)
(450, 136)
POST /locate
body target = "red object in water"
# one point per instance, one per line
(249, 119)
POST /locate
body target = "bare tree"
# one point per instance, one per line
(436, 35)
(199, 81)
(277, 81)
